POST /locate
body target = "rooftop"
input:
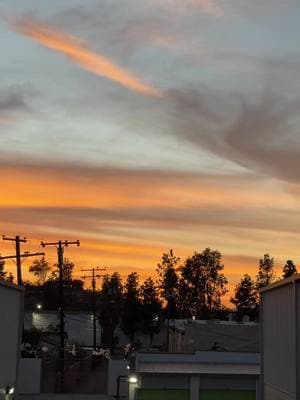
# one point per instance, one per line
(204, 362)
(282, 282)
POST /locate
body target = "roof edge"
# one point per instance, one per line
(282, 282)
(11, 285)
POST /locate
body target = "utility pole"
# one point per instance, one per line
(94, 277)
(18, 256)
(60, 245)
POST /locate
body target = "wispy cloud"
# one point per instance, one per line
(11, 103)
(77, 51)
(209, 7)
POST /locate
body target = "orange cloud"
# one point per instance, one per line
(58, 185)
(75, 50)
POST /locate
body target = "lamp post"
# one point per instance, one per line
(131, 379)
(170, 297)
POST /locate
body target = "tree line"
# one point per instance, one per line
(192, 288)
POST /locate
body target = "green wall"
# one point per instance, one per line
(227, 395)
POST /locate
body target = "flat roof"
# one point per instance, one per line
(282, 282)
(212, 362)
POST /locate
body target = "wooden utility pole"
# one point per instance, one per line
(60, 245)
(18, 256)
(94, 277)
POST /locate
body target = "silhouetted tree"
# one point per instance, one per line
(184, 299)
(10, 278)
(266, 273)
(3, 273)
(72, 287)
(132, 310)
(168, 282)
(151, 309)
(67, 273)
(111, 301)
(289, 269)
(40, 268)
(245, 297)
(203, 282)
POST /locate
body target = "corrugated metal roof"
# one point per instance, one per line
(282, 282)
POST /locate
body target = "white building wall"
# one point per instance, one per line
(279, 340)
(11, 309)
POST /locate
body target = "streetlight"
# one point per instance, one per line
(8, 391)
(132, 379)
(124, 378)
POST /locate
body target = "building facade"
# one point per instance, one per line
(11, 312)
(200, 376)
(280, 340)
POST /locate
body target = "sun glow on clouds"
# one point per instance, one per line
(113, 188)
(78, 52)
(126, 219)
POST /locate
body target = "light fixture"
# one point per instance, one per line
(39, 306)
(132, 379)
(9, 390)
(127, 366)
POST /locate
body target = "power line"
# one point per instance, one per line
(94, 277)
(60, 245)
(18, 256)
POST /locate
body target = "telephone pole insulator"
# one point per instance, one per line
(18, 256)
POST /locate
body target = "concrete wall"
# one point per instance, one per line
(117, 368)
(11, 309)
(80, 376)
(273, 393)
(29, 375)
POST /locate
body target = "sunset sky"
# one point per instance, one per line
(140, 126)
